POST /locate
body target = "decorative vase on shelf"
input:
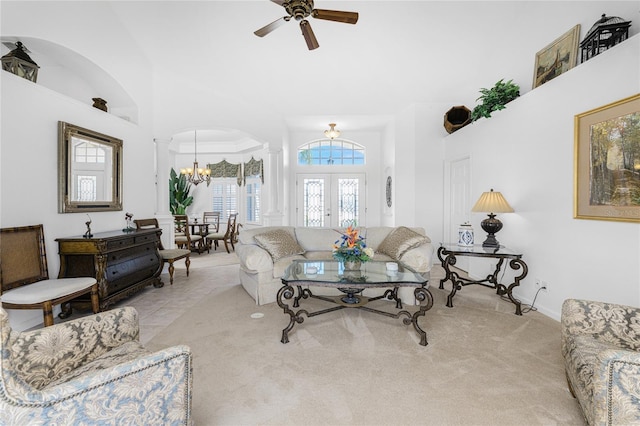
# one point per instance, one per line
(352, 265)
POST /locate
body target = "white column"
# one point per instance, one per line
(274, 216)
(162, 176)
(163, 213)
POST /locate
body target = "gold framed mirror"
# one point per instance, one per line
(89, 170)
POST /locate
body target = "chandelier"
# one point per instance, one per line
(196, 174)
(332, 133)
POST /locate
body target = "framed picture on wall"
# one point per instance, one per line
(557, 58)
(607, 162)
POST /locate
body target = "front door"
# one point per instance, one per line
(330, 200)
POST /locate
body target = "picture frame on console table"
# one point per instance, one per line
(556, 58)
(607, 162)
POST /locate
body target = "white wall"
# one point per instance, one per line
(419, 169)
(29, 135)
(29, 164)
(527, 153)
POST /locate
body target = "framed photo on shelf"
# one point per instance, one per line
(607, 162)
(557, 58)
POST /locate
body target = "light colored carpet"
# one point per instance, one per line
(483, 365)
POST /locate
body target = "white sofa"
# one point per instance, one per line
(261, 276)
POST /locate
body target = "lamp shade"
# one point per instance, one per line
(492, 202)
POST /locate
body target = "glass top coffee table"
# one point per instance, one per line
(331, 274)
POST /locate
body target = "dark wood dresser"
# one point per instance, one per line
(122, 262)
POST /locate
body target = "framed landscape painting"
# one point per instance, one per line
(557, 58)
(607, 162)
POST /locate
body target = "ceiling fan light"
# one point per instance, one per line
(299, 10)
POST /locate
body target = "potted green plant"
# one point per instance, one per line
(179, 188)
(495, 99)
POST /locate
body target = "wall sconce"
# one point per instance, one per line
(491, 202)
(19, 63)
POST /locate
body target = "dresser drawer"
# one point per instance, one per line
(120, 243)
(122, 263)
(129, 253)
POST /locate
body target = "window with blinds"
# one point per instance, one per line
(253, 187)
(225, 198)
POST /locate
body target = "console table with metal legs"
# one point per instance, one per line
(448, 253)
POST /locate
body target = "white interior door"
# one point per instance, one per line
(330, 200)
(459, 202)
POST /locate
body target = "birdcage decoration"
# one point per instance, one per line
(604, 34)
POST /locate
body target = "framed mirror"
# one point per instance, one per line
(89, 170)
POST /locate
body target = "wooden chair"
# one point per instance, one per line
(213, 219)
(168, 255)
(24, 276)
(185, 239)
(228, 237)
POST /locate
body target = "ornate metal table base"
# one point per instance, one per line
(352, 297)
(447, 257)
(353, 301)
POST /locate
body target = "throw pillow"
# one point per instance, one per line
(279, 243)
(401, 240)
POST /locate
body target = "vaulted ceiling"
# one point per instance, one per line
(211, 72)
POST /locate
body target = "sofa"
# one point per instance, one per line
(266, 252)
(601, 350)
(91, 371)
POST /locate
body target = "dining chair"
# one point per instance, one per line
(213, 219)
(168, 255)
(228, 236)
(24, 276)
(185, 239)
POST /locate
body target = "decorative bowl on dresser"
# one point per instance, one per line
(123, 263)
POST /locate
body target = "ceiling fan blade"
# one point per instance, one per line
(335, 15)
(272, 26)
(278, 2)
(309, 37)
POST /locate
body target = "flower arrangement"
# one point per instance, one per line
(350, 247)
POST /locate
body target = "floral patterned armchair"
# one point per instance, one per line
(601, 349)
(92, 370)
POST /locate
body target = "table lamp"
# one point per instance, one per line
(491, 202)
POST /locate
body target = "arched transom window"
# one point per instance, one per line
(88, 152)
(331, 152)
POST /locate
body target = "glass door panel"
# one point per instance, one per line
(330, 200)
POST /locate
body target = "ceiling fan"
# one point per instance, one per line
(302, 9)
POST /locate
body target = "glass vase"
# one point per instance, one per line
(352, 265)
